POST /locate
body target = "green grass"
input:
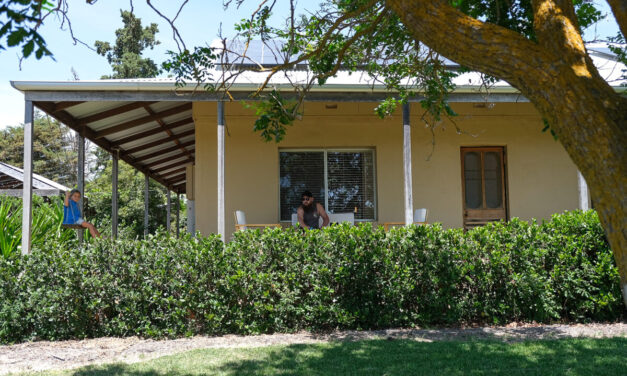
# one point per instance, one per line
(396, 357)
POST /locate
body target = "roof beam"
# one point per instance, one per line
(146, 119)
(173, 172)
(165, 160)
(63, 105)
(171, 166)
(174, 137)
(169, 132)
(179, 189)
(165, 151)
(68, 120)
(150, 132)
(177, 178)
(113, 112)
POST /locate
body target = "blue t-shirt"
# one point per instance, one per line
(71, 213)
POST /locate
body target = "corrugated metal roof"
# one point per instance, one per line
(12, 177)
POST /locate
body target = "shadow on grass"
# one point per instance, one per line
(396, 357)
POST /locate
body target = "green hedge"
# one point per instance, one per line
(286, 280)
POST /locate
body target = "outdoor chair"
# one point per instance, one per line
(420, 218)
(333, 218)
(242, 224)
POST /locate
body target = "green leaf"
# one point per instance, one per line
(28, 48)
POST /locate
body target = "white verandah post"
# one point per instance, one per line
(27, 188)
(407, 171)
(221, 209)
(584, 198)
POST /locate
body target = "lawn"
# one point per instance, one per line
(393, 357)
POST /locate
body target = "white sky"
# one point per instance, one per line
(199, 24)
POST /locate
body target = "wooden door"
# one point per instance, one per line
(484, 191)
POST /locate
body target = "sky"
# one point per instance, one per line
(199, 24)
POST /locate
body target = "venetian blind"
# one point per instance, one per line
(300, 171)
(350, 181)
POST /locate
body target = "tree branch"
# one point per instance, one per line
(619, 8)
(555, 24)
(490, 48)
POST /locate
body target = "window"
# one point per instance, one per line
(341, 180)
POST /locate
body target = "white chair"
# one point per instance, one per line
(333, 218)
(420, 218)
(242, 224)
(342, 218)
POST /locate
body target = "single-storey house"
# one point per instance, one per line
(494, 163)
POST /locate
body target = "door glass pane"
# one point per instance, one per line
(351, 183)
(472, 177)
(299, 171)
(493, 180)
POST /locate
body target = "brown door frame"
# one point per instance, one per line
(502, 150)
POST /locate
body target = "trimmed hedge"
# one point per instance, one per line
(286, 280)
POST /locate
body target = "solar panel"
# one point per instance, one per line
(267, 53)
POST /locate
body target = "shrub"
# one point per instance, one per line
(287, 280)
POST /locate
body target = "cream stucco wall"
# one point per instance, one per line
(541, 178)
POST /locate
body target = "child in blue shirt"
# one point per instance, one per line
(72, 213)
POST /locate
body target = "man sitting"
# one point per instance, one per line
(309, 213)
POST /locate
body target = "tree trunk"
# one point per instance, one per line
(558, 77)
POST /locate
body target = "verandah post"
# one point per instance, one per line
(178, 208)
(27, 188)
(81, 180)
(582, 186)
(146, 203)
(407, 171)
(169, 211)
(114, 195)
(221, 210)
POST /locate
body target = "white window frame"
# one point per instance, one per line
(326, 179)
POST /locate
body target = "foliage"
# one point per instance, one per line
(288, 280)
(46, 224)
(274, 114)
(125, 56)
(54, 149)
(21, 20)
(130, 202)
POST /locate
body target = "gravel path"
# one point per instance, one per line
(44, 355)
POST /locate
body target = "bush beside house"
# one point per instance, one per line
(338, 278)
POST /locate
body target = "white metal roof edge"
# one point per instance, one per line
(169, 86)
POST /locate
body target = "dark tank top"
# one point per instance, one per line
(312, 218)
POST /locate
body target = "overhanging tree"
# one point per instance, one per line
(534, 45)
